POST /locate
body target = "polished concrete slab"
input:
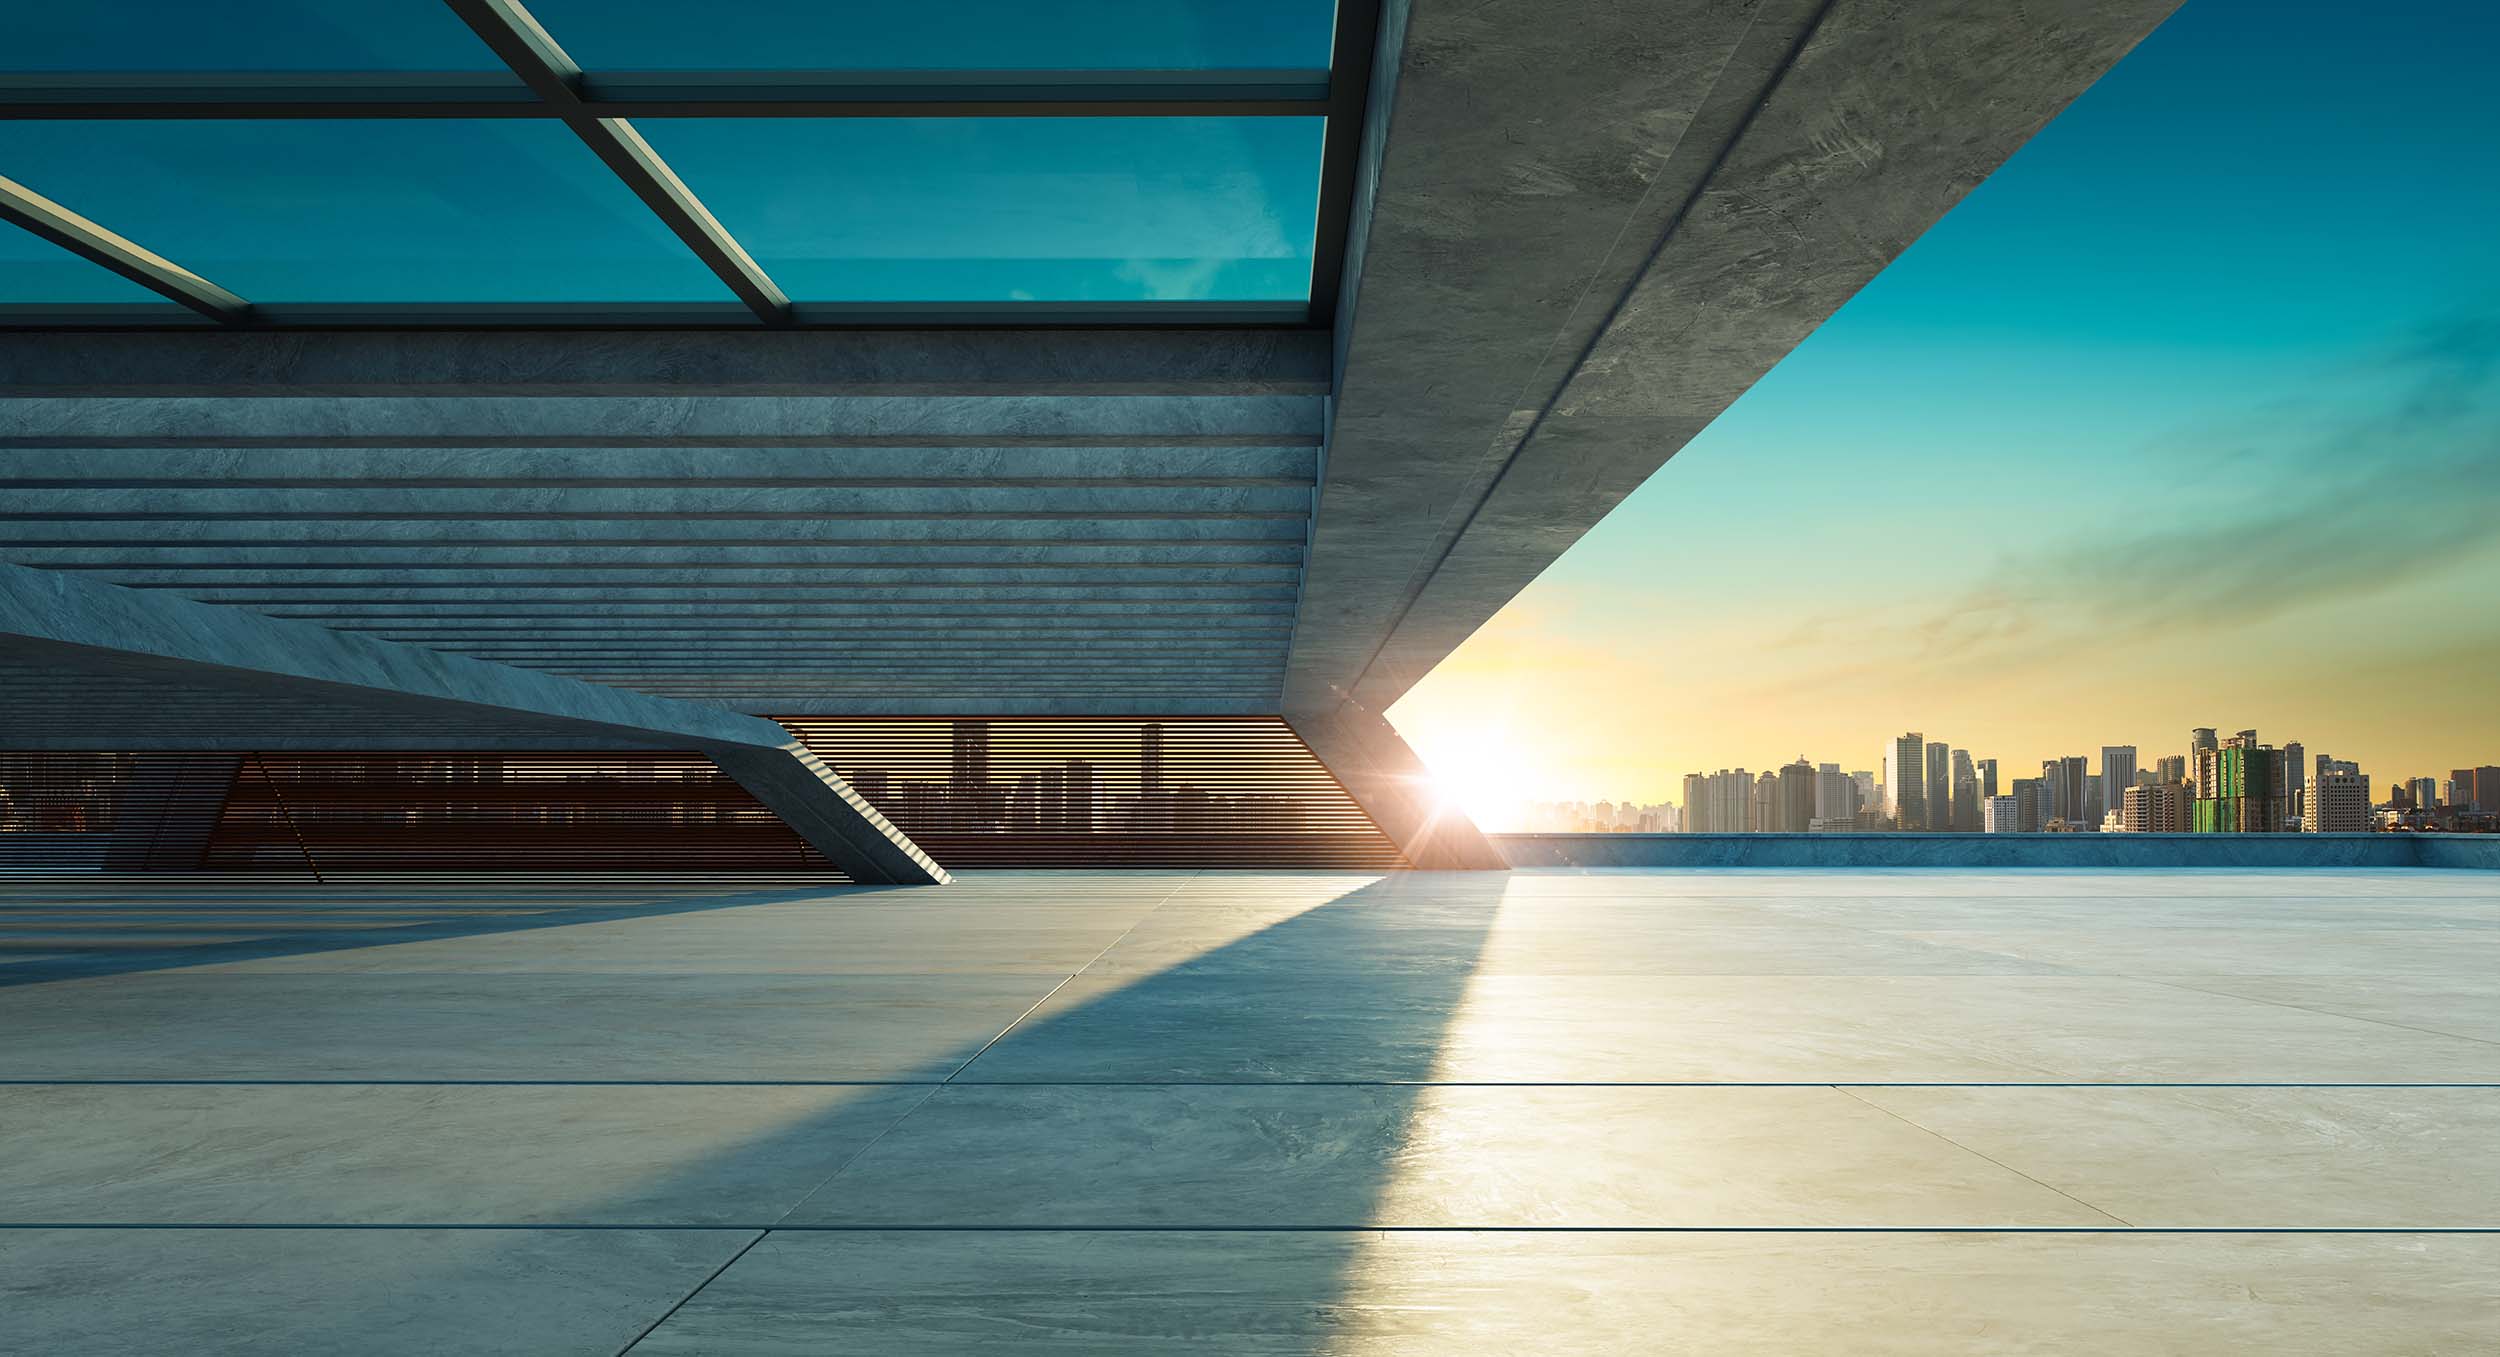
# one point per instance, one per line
(1742, 1111)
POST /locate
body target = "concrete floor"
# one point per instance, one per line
(1737, 1112)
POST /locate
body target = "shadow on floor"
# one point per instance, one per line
(519, 906)
(1123, 1102)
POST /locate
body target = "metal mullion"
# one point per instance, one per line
(737, 94)
(1350, 60)
(76, 234)
(514, 36)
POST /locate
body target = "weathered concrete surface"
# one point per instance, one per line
(2241, 851)
(1382, 774)
(1107, 362)
(1758, 1114)
(609, 506)
(1597, 226)
(259, 682)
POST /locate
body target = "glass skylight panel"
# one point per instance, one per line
(33, 269)
(138, 36)
(365, 210)
(1012, 209)
(954, 35)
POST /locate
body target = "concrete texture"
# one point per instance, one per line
(1596, 226)
(961, 525)
(1742, 1111)
(242, 676)
(2463, 851)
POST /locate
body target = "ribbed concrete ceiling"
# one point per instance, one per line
(986, 544)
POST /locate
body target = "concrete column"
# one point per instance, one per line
(1375, 765)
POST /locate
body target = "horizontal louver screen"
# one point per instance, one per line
(1183, 792)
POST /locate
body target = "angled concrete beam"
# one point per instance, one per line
(1378, 769)
(258, 678)
(1596, 225)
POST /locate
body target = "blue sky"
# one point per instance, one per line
(2191, 404)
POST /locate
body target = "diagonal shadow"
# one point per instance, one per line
(1198, 1075)
(76, 963)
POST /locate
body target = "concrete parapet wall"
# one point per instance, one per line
(2001, 850)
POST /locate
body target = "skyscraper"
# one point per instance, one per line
(2295, 782)
(2030, 804)
(2340, 799)
(1988, 779)
(2117, 775)
(1965, 794)
(2170, 768)
(1939, 786)
(2063, 791)
(1150, 758)
(1765, 815)
(2239, 788)
(2476, 788)
(2201, 741)
(1796, 797)
(1835, 794)
(1905, 781)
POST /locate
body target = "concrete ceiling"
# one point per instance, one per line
(809, 522)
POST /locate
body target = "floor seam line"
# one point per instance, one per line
(714, 1275)
(1930, 1130)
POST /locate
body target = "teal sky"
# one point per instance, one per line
(2187, 416)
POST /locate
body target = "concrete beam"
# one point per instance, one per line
(919, 363)
(1378, 769)
(1597, 225)
(261, 676)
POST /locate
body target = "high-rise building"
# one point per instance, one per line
(1905, 781)
(1796, 797)
(2062, 792)
(1150, 758)
(1988, 779)
(1764, 815)
(2117, 774)
(2239, 788)
(1965, 818)
(2154, 808)
(972, 753)
(2201, 742)
(2001, 815)
(2295, 782)
(2170, 768)
(1718, 803)
(2030, 804)
(2476, 789)
(1870, 802)
(2339, 801)
(1939, 786)
(1835, 794)
(2425, 791)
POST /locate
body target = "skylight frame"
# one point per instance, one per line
(542, 82)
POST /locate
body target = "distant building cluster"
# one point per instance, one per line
(2220, 785)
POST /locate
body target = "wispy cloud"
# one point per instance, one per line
(2386, 473)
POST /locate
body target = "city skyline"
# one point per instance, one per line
(2071, 461)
